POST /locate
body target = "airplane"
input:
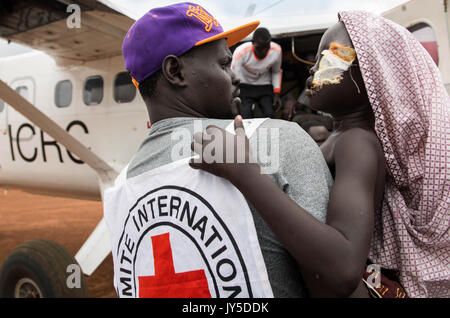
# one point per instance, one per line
(71, 119)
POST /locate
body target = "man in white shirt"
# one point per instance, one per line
(257, 64)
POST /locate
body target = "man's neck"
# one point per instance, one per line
(169, 108)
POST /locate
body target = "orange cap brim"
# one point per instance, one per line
(232, 36)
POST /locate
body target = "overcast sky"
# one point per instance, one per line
(232, 11)
(279, 16)
(276, 15)
(262, 8)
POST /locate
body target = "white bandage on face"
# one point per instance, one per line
(335, 61)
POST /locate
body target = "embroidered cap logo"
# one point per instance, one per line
(202, 16)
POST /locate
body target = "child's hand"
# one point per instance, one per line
(224, 154)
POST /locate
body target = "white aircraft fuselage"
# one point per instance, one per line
(34, 161)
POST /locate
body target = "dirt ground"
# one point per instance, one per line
(69, 222)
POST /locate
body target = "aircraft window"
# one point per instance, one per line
(63, 93)
(2, 105)
(23, 91)
(93, 90)
(426, 36)
(124, 90)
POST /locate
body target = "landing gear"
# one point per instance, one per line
(38, 269)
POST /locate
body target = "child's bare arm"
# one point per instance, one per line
(350, 212)
(331, 256)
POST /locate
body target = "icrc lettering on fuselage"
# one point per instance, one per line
(17, 152)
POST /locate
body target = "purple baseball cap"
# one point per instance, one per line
(174, 29)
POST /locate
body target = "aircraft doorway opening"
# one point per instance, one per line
(295, 47)
(295, 71)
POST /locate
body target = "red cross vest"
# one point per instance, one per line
(177, 232)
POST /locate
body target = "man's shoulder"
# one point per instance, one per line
(292, 139)
(275, 52)
(195, 123)
(243, 48)
(243, 45)
(275, 46)
(222, 123)
(286, 127)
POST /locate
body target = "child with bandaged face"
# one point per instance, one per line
(378, 206)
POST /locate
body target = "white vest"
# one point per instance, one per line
(178, 232)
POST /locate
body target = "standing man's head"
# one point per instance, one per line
(179, 58)
(261, 42)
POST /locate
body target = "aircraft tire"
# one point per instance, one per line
(39, 269)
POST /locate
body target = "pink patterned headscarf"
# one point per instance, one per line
(412, 121)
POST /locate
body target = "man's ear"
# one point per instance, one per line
(172, 70)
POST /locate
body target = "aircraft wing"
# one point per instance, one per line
(52, 26)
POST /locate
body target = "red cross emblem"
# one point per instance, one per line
(168, 284)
